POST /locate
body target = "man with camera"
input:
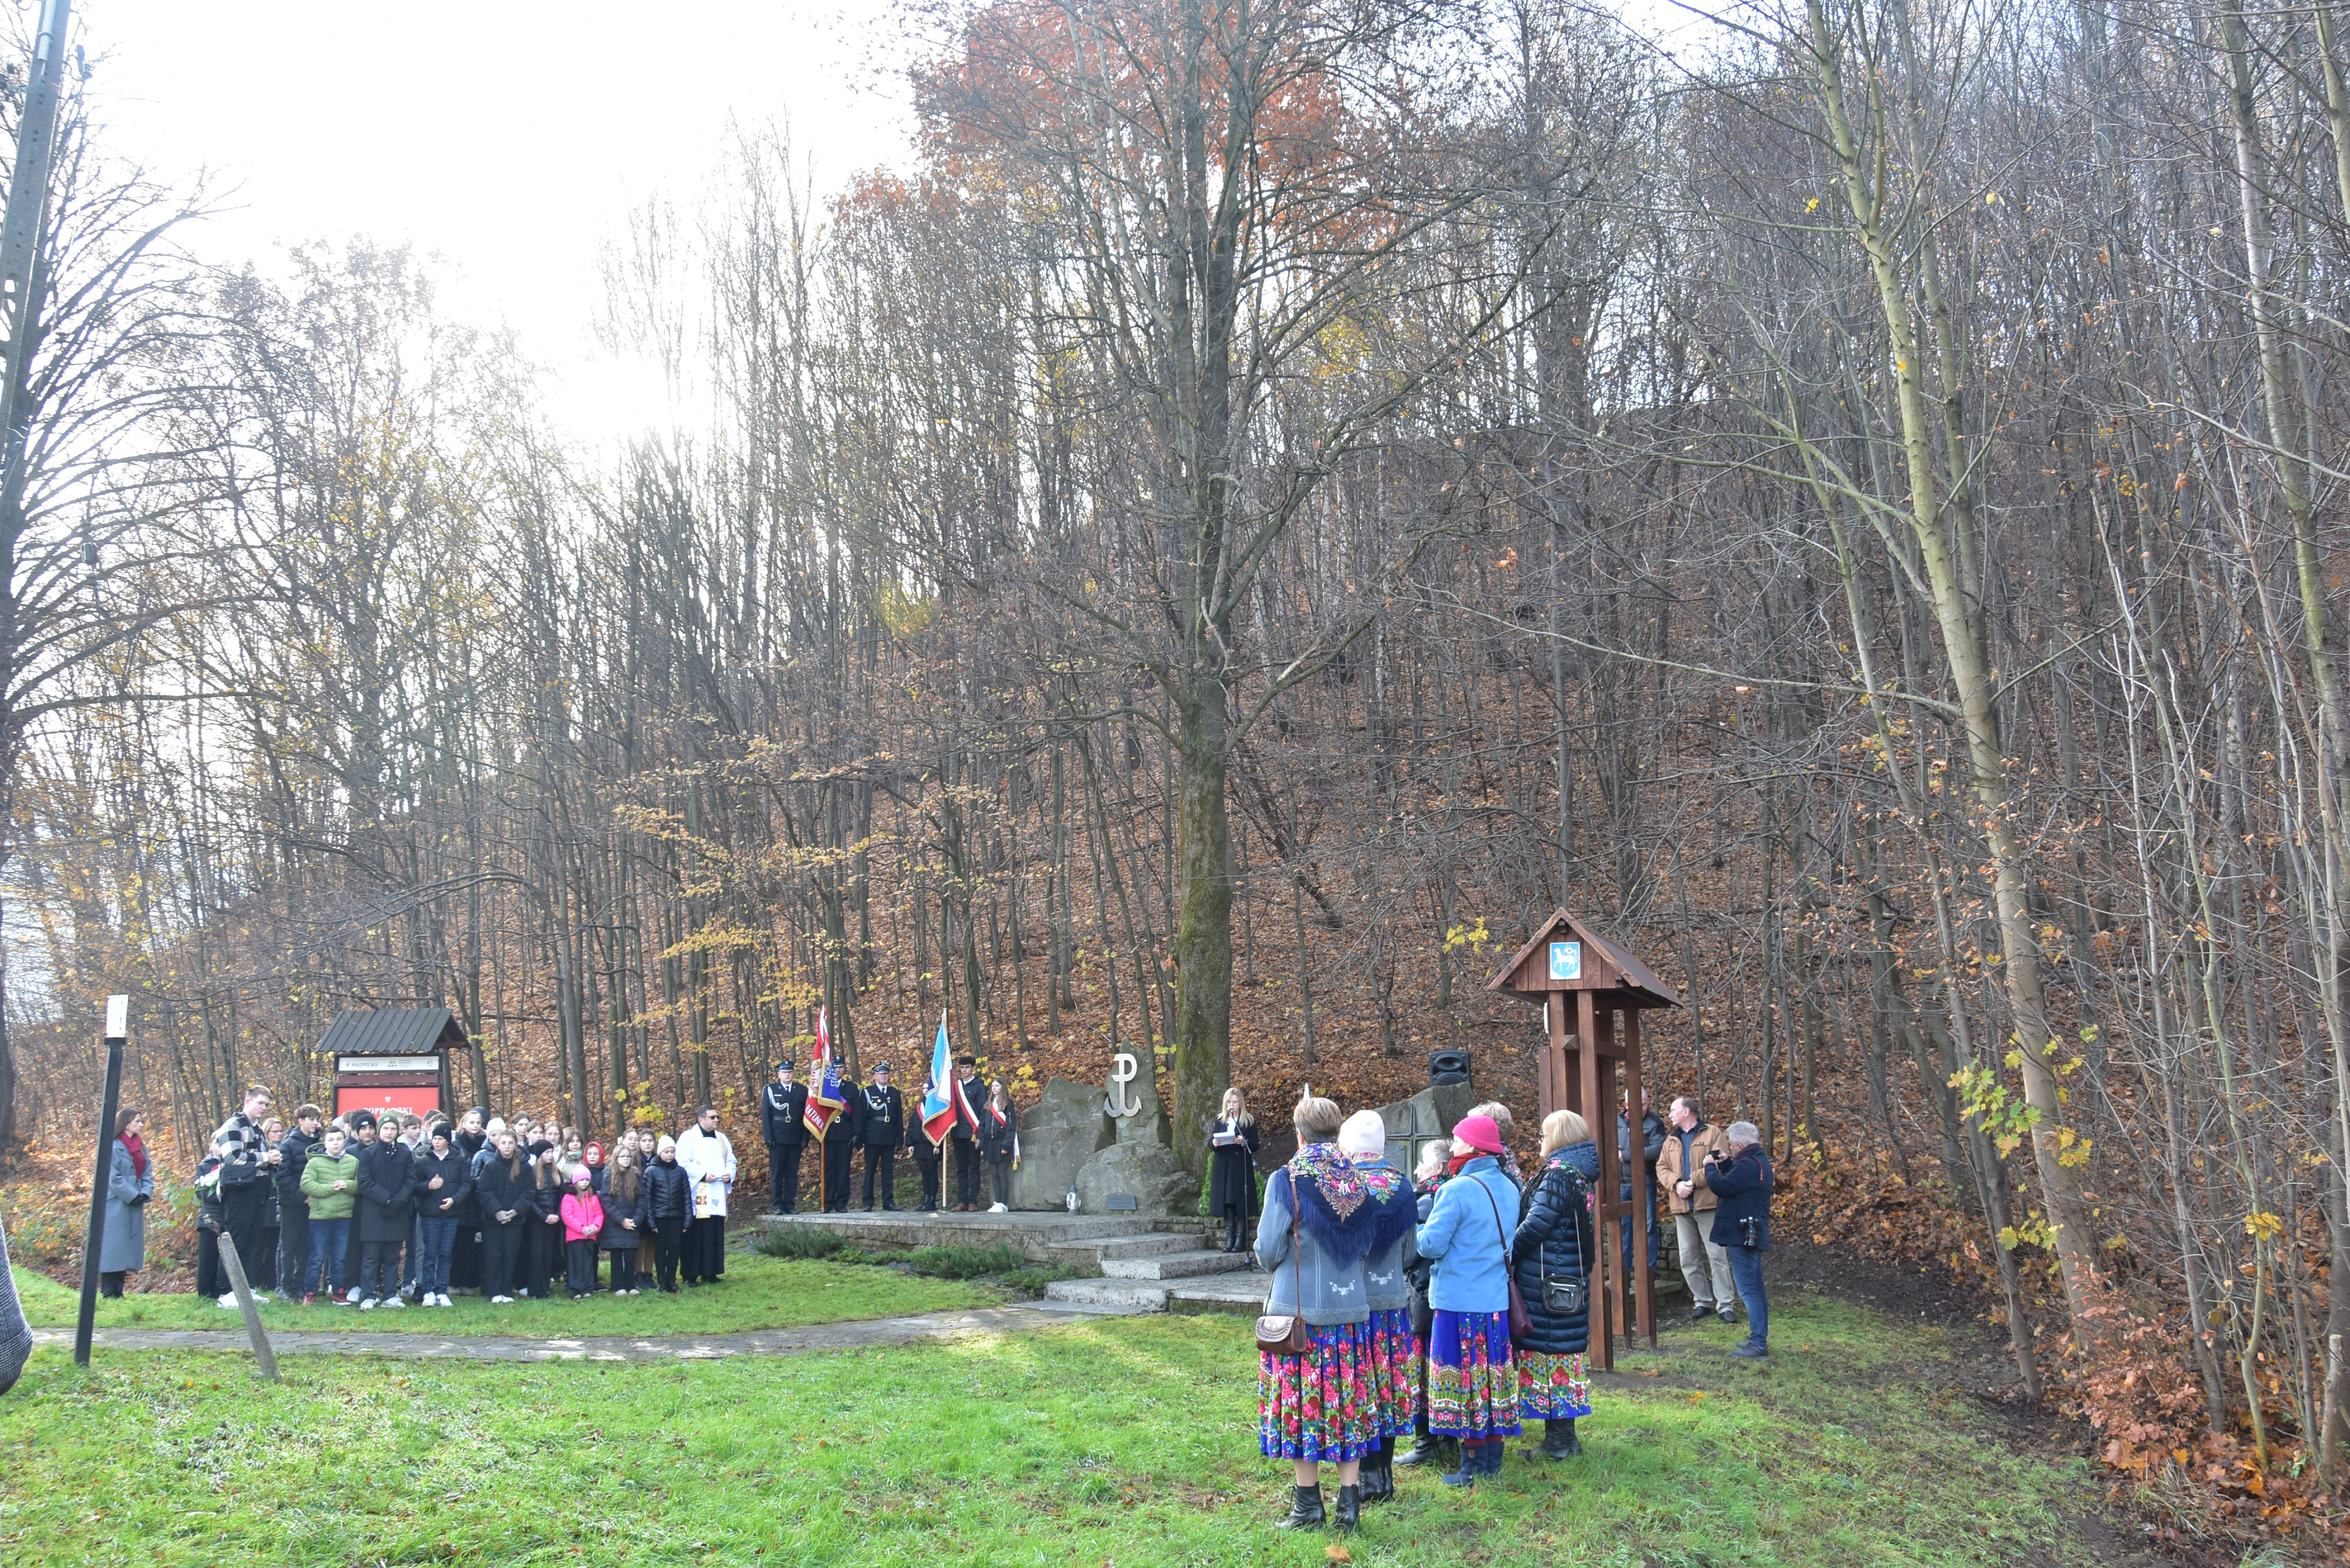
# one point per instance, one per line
(1680, 1177)
(1742, 1181)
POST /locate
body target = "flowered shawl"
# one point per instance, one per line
(1350, 1210)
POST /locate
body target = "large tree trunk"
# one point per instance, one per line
(1203, 923)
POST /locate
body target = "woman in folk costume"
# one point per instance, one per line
(1323, 1216)
(1472, 1385)
(1386, 1293)
(1435, 1157)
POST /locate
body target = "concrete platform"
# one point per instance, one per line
(1072, 1240)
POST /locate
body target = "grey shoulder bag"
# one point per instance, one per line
(1565, 1298)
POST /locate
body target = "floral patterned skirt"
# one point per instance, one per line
(1395, 1370)
(1472, 1388)
(1320, 1405)
(1552, 1388)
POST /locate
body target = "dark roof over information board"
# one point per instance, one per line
(392, 1032)
(1606, 967)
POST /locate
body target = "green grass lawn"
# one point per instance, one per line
(1121, 1441)
(759, 1292)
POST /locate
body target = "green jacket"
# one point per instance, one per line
(318, 1178)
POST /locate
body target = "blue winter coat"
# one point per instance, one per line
(1554, 1238)
(1743, 1190)
(1466, 1235)
(123, 1245)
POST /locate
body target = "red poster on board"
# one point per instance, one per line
(414, 1099)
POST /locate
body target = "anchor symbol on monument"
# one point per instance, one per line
(1123, 1071)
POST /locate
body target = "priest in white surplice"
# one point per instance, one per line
(709, 1162)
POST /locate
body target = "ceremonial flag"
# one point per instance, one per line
(938, 1099)
(825, 1097)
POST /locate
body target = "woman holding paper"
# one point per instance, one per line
(1231, 1170)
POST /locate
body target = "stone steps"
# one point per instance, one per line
(1100, 1253)
(1173, 1265)
(1129, 1295)
(1238, 1294)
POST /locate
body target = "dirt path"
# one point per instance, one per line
(870, 1332)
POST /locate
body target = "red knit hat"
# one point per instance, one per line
(1479, 1133)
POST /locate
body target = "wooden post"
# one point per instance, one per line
(244, 1304)
(94, 1237)
(1555, 1091)
(1644, 1184)
(1605, 1313)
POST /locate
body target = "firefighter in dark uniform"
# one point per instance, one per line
(880, 1128)
(966, 1135)
(782, 1106)
(841, 1149)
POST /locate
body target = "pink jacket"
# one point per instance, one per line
(583, 1217)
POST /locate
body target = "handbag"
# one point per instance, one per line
(1565, 1298)
(1521, 1323)
(1281, 1333)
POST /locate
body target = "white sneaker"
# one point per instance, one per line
(228, 1299)
(441, 1298)
(393, 1302)
(366, 1303)
(995, 1208)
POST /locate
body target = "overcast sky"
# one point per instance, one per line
(511, 136)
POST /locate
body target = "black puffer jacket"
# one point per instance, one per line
(669, 1192)
(1554, 1237)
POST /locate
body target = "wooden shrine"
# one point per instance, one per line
(1583, 980)
(392, 1059)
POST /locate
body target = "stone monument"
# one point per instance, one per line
(1138, 1164)
(1066, 1128)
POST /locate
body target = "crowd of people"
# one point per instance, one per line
(390, 1210)
(1453, 1306)
(1450, 1306)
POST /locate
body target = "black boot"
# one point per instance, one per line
(1559, 1441)
(1378, 1474)
(1423, 1446)
(1350, 1509)
(1304, 1509)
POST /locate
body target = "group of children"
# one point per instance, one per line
(390, 1210)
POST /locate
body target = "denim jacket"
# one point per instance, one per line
(1308, 1283)
(1467, 1241)
(1385, 1270)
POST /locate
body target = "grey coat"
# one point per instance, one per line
(122, 1246)
(1310, 1284)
